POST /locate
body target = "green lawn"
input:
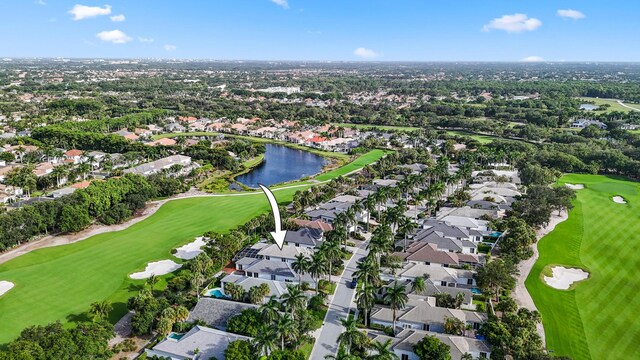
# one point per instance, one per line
(482, 139)
(379, 127)
(60, 283)
(361, 161)
(597, 319)
(613, 105)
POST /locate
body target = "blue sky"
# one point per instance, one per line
(381, 30)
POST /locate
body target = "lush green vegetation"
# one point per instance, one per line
(358, 163)
(71, 277)
(597, 318)
(609, 105)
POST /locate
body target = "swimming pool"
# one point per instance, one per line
(175, 336)
(495, 234)
(216, 293)
(476, 291)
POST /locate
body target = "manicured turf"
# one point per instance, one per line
(598, 318)
(614, 106)
(482, 139)
(361, 161)
(60, 283)
(379, 127)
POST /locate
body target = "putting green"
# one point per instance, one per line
(60, 283)
(597, 318)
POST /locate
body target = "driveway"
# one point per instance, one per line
(342, 302)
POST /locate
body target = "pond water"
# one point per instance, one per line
(589, 107)
(282, 164)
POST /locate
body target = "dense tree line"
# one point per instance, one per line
(109, 201)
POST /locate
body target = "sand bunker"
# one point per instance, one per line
(157, 268)
(191, 250)
(5, 286)
(575, 186)
(619, 200)
(563, 278)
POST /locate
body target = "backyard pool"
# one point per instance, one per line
(216, 293)
(476, 291)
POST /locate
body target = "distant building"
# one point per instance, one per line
(159, 165)
(583, 123)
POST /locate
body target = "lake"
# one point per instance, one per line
(282, 164)
(589, 107)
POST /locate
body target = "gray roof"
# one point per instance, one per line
(211, 343)
(441, 229)
(217, 312)
(446, 244)
(158, 165)
(458, 345)
(304, 236)
(269, 267)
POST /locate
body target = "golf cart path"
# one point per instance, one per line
(150, 209)
(627, 106)
(520, 293)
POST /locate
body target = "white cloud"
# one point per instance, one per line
(532, 59)
(81, 12)
(513, 23)
(145, 40)
(114, 36)
(571, 14)
(41, 2)
(169, 47)
(282, 3)
(365, 53)
(118, 18)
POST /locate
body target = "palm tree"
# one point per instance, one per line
(405, 227)
(367, 272)
(284, 328)
(317, 267)
(397, 298)
(264, 341)
(100, 310)
(351, 335)
(301, 266)
(365, 299)
(418, 285)
(271, 310)
(331, 251)
(383, 351)
(294, 299)
(152, 281)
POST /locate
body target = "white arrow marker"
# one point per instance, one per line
(279, 234)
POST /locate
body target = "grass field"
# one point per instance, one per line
(60, 283)
(361, 161)
(380, 127)
(613, 105)
(598, 318)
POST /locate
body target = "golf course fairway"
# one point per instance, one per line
(60, 283)
(596, 318)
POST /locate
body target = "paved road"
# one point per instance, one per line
(627, 106)
(343, 300)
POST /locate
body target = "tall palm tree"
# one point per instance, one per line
(317, 267)
(285, 328)
(397, 298)
(405, 227)
(270, 310)
(342, 355)
(368, 272)
(294, 299)
(365, 299)
(383, 351)
(418, 285)
(331, 251)
(301, 266)
(264, 342)
(350, 335)
(100, 310)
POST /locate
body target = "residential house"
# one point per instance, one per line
(200, 342)
(217, 312)
(304, 237)
(404, 342)
(421, 313)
